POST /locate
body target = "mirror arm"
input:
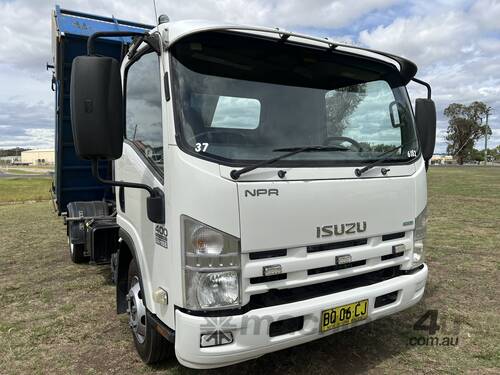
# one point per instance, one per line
(423, 83)
(95, 172)
(155, 204)
(152, 40)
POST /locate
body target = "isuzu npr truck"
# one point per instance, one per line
(253, 188)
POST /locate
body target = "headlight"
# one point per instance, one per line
(211, 267)
(207, 241)
(217, 289)
(419, 239)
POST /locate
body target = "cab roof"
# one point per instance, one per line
(174, 31)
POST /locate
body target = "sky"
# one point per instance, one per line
(455, 43)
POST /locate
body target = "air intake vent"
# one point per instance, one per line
(282, 327)
(392, 236)
(386, 299)
(336, 245)
(265, 279)
(268, 254)
(392, 256)
(315, 271)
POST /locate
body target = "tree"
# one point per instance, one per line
(476, 155)
(340, 104)
(465, 127)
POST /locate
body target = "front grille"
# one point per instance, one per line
(281, 296)
(314, 265)
(337, 245)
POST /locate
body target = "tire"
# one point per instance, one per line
(150, 345)
(76, 252)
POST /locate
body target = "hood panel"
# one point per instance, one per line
(288, 213)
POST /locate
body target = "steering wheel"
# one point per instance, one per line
(339, 140)
(218, 131)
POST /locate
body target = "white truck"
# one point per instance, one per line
(269, 187)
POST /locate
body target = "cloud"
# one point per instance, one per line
(455, 51)
(456, 44)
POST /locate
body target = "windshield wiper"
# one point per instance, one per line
(236, 173)
(358, 172)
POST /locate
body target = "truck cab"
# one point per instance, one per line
(269, 188)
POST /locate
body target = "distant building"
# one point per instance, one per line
(4, 160)
(439, 159)
(38, 157)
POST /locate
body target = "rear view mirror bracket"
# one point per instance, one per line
(155, 201)
(152, 40)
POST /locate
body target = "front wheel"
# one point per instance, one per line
(151, 346)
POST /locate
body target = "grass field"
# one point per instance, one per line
(18, 171)
(60, 318)
(22, 189)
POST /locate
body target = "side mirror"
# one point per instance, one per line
(96, 107)
(425, 118)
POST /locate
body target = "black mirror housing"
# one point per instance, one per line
(425, 118)
(96, 107)
(155, 206)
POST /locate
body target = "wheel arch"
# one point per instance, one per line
(126, 252)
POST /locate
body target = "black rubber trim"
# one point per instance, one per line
(392, 256)
(267, 254)
(166, 86)
(393, 236)
(161, 327)
(266, 279)
(337, 267)
(336, 245)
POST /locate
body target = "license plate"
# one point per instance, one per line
(343, 315)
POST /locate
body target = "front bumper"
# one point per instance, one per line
(251, 330)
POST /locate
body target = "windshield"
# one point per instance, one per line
(239, 99)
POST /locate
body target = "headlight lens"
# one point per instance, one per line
(217, 289)
(419, 239)
(207, 241)
(212, 267)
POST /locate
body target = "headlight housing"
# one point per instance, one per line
(211, 267)
(419, 239)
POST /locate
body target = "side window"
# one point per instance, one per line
(226, 111)
(236, 113)
(143, 105)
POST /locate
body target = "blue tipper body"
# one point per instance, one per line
(73, 180)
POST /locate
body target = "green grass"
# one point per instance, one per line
(26, 171)
(58, 317)
(22, 189)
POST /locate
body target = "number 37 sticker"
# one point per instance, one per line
(201, 147)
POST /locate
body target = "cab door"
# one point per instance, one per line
(142, 160)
